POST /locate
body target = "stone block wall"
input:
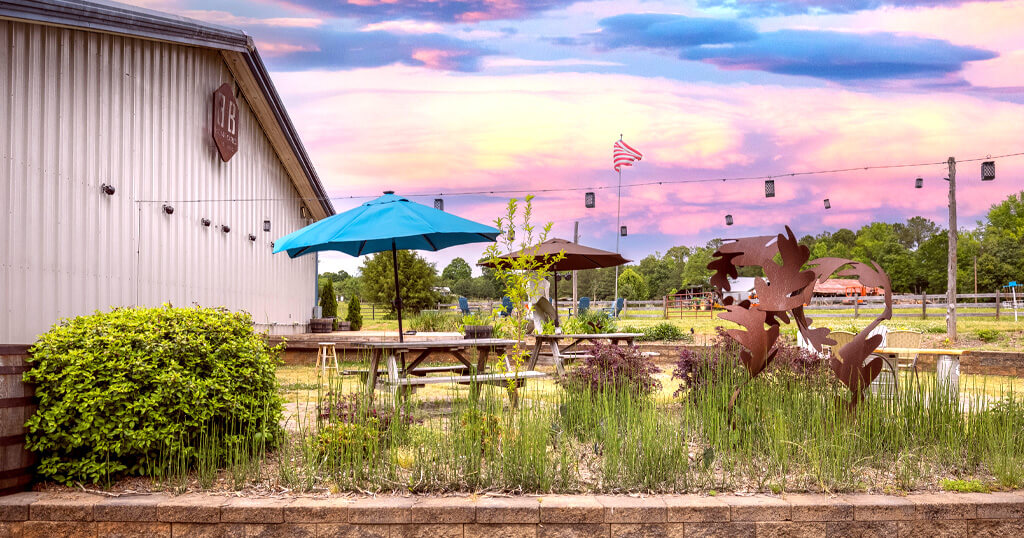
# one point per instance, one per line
(31, 515)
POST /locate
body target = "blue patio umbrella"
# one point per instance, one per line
(392, 223)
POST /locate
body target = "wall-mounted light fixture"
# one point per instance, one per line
(252, 237)
(169, 209)
(109, 190)
(271, 245)
(225, 228)
(205, 222)
(266, 225)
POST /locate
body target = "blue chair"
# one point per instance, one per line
(584, 306)
(506, 306)
(619, 304)
(464, 306)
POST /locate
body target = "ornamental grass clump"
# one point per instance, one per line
(126, 391)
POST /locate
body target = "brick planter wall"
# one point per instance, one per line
(933, 515)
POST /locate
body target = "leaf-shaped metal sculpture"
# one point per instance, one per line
(787, 288)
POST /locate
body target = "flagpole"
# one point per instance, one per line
(618, 234)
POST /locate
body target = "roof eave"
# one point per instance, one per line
(132, 21)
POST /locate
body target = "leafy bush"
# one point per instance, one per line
(328, 302)
(963, 486)
(119, 390)
(435, 322)
(936, 329)
(695, 369)
(589, 322)
(614, 368)
(662, 332)
(354, 316)
(988, 335)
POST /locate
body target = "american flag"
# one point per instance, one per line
(624, 155)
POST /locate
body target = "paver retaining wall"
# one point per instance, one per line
(199, 515)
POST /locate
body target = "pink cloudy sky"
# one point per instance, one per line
(426, 96)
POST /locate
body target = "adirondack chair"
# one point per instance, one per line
(506, 306)
(464, 306)
(617, 309)
(584, 306)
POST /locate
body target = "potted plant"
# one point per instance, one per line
(328, 310)
(477, 326)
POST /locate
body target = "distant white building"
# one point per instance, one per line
(114, 189)
(740, 289)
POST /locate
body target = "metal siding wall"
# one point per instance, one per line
(81, 109)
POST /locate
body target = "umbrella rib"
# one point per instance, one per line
(429, 242)
(361, 247)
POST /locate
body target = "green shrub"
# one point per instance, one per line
(935, 329)
(589, 322)
(328, 302)
(435, 322)
(119, 391)
(988, 335)
(355, 316)
(964, 486)
(662, 332)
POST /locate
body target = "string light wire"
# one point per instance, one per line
(605, 187)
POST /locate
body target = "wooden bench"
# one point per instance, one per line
(364, 373)
(482, 378)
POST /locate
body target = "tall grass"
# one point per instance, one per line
(787, 431)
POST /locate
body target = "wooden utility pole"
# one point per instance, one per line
(575, 294)
(975, 275)
(951, 275)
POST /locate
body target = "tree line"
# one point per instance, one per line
(913, 252)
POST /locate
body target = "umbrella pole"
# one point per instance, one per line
(398, 295)
(556, 298)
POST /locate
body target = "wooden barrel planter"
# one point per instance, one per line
(321, 325)
(479, 331)
(16, 406)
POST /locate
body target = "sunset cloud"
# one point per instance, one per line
(837, 56)
(432, 10)
(792, 7)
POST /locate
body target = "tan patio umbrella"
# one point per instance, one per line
(577, 257)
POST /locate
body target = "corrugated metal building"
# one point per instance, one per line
(98, 93)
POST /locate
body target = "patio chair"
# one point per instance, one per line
(584, 306)
(885, 380)
(617, 309)
(909, 340)
(464, 306)
(506, 306)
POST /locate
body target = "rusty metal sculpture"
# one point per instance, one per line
(787, 288)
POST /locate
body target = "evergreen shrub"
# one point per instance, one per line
(120, 392)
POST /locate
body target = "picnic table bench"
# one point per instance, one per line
(563, 354)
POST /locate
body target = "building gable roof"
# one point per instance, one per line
(235, 46)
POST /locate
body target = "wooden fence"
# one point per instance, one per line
(924, 306)
(992, 305)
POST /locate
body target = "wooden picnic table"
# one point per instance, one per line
(559, 352)
(402, 374)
